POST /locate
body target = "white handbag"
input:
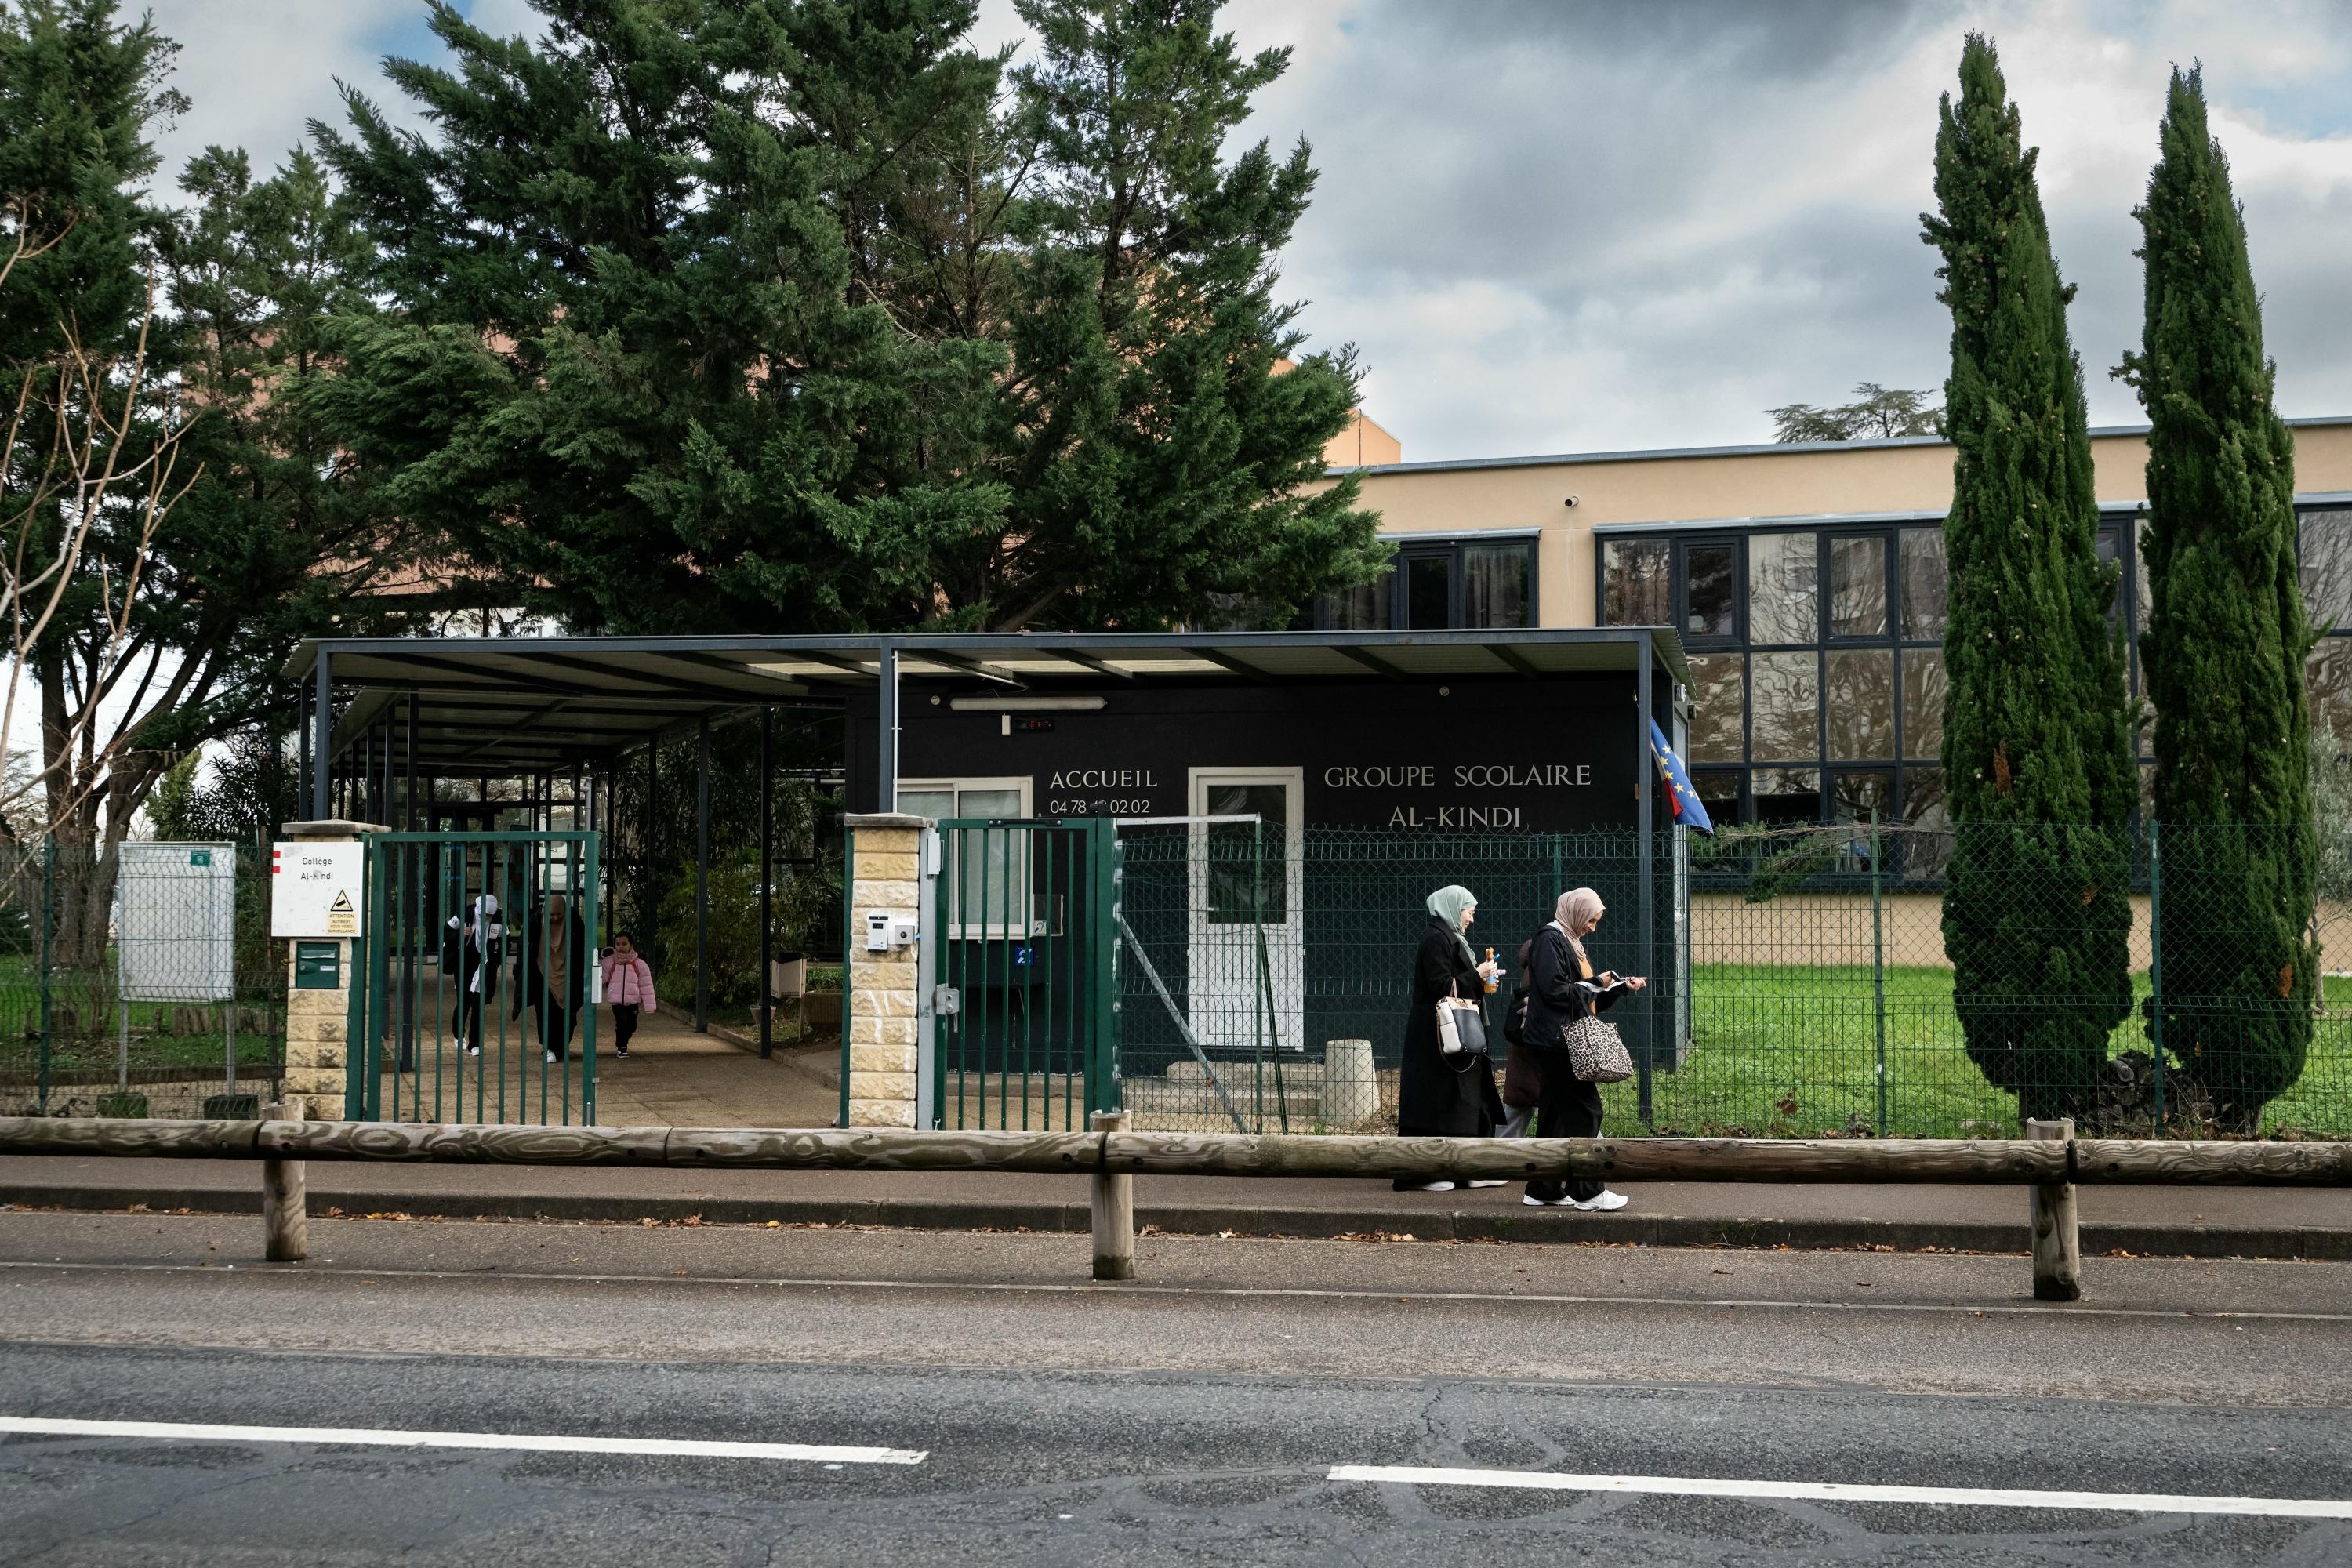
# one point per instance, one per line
(1461, 1027)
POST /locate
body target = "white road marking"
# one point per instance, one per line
(540, 1443)
(1832, 1492)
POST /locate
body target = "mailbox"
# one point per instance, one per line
(318, 966)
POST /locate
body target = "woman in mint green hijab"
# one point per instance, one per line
(1440, 1095)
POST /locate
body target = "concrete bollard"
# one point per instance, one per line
(1351, 1088)
(2057, 1243)
(1114, 1212)
(285, 1195)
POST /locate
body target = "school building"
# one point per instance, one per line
(1806, 582)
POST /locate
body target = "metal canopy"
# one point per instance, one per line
(500, 706)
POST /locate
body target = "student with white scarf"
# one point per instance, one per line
(473, 948)
(1440, 1095)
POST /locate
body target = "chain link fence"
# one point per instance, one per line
(139, 981)
(1803, 982)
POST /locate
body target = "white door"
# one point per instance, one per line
(1246, 882)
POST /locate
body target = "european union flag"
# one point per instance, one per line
(1689, 812)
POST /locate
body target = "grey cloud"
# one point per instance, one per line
(1791, 38)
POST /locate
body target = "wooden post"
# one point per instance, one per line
(285, 1196)
(1113, 1209)
(2057, 1244)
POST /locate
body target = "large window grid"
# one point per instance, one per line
(1817, 658)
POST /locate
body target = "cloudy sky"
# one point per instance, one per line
(1554, 227)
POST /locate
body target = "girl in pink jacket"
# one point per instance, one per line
(628, 987)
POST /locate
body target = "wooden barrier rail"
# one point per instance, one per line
(2051, 1163)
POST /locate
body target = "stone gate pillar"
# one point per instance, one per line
(880, 1053)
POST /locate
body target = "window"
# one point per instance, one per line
(1711, 590)
(2328, 569)
(1787, 797)
(1440, 584)
(1494, 586)
(1858, 586)
(1924, 587)
(1718, 709)
(2110, 548)
(2328, 679)
(1428, 592)
(1365, 607)
(2144, 590)
(1922, 703)
(1636, 587)
(1246, 878)
(1787, 722)
(1783, 588)
(1927, 851)
(1862, 800)
(989, 871)
(1718, 792)
(1860, 688)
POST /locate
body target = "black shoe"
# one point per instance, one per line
(622, 1052)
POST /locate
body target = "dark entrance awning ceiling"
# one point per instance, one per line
(502, 706)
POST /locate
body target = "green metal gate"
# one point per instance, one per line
(1022, 960)
(476, 1001)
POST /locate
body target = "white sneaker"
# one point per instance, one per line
(551, 1059)
(1608, 1202)
(1495, 1183)
(1536, 1203)
(1434, 1187)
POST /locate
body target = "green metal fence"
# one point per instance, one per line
(1802, 984)
(477, 989)
(1023, 923)
(138, 981)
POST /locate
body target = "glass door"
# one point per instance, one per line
(1248, 966)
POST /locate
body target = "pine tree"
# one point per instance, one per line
(1144, 414)
(2037, 752)
(621, 366)
(713, 317)
(2226, 640)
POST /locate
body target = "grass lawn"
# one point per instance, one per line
(1779, 1051)
(91, 1043)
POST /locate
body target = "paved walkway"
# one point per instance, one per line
(674, 1078)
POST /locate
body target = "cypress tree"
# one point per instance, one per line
(2226, 640)
(2037, 741)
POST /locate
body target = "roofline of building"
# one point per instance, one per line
(1762, 449)
(1857, 518)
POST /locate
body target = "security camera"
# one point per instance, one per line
(1570, 501)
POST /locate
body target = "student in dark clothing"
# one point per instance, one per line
(473, 949)
(1440, 1095)
(1568, 1106)
(554, 973)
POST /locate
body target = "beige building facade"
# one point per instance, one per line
(1806, 582)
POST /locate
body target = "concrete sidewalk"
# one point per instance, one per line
(2209, 1222)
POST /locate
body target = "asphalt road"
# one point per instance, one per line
(1196, 1417)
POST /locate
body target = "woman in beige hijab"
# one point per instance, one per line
(1563, 987)
(555, 974)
